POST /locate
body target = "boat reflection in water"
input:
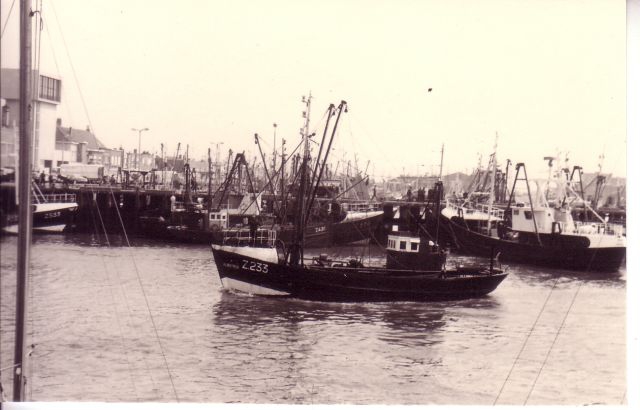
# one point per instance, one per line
(294, 320)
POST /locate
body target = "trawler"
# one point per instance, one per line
(539, 231)
(254, 261)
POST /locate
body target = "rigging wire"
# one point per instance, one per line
(130, 317)
(553, 343)
(146, 300)
(526, 340)
(73, 70)
(115, 308)
(6, 22)
(55, 61)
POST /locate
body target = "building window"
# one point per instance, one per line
(49, 88)
(414, 246)
(403, 245)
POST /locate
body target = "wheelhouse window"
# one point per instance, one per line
(403, 245)
(414, 246)
(528, 214)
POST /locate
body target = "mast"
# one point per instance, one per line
(441, 158)
(297, 248)
(264, 162)
(24, 195)
(493, 183)
(275, 156)
(162, 162)
(282, 181)
(209, 187)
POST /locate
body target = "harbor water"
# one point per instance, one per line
(150, 323)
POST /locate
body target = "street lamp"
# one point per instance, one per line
(138, 154)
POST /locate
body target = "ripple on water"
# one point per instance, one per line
(108, 321)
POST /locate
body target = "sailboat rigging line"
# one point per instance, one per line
(526, 340)
(55, 61)
(115, 308)
(146, 300)
(73, 70)
(122, 342)
(564, 319)
(6, 21)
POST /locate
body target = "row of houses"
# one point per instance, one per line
(55, 143)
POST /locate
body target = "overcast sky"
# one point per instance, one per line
(546, 76)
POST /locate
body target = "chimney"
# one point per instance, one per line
(82, 153)
(59, 122)
(6, 117)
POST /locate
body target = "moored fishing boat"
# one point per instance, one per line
(51, 213)
(541, 232)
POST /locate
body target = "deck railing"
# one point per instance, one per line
(60, 197)
(243, 237)
(598, 228)
(472, 208)
(361, 206)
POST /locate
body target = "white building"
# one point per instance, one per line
(45, 106)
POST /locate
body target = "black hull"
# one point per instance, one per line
(356, 230)
(52, 220)
(353, 284)
(564, 252)
(316, 235)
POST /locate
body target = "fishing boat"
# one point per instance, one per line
(255, 262)
(415, 270)
(540, 232)
(360, 221)
(51, 213)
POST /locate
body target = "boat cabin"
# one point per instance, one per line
(219, 219)
(409, 251)
(547, 219)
